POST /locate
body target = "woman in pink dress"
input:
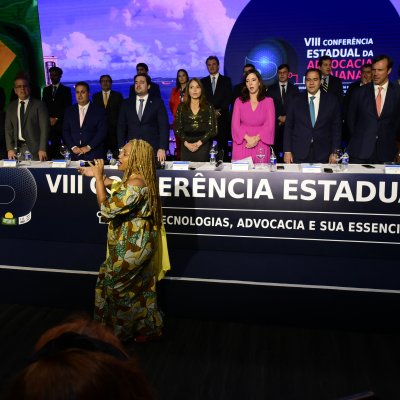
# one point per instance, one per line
(253, 120)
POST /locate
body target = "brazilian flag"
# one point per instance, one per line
(20, 44)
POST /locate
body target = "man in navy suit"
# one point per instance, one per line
(57, 98)
(218, 91)
(374, 117)
(365, 77)
(282, 93)
(330, 83)
(111, 101)
(154, 90)
(85, 126)
(313, 124)
(144, 117)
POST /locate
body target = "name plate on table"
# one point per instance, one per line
(392, 169)
(310, 168)
(59, 164)
(240, 166)
(180, 165)
(10, 163)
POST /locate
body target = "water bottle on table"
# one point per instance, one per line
(27, 157)
(213, 153)
(272, 161)
(345, 161)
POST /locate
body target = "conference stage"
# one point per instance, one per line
(235, 238)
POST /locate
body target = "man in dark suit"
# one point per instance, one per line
(330, 83)
(154, 91)
(111, 101)
(365, 77)
(313, 124)
(85, 126)
(57, 98)
(144, 117)
(282, 93)
(27, 123)
(218, 91)
(374, 117)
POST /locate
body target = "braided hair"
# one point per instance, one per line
(142, 162)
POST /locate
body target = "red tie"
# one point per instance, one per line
(379, 101)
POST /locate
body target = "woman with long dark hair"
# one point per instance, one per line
(195, 123)
(253, 119)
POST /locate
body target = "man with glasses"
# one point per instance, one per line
(27, 123)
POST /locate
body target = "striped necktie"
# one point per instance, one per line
(325, 83)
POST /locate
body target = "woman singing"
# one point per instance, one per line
(253, 120)
(178, 95)
(195, 123)
(137, 256)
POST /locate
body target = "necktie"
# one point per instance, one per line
(283, 94)
(140, 113)
(325, 83)
(21, 115)
(312, 111)
(53, 94)
(213, 84)
(81, 115)
(105, 98)
(379, 101)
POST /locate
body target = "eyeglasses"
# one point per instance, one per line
(21, 86)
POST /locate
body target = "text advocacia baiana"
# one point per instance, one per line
(292, 190)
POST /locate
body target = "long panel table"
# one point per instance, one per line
(259, 229)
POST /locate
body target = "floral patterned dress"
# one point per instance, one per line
(125, 298)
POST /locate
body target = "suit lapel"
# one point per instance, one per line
(387, 105)
(147, 108)
(27, 111)
(321, 108)
(306, 111)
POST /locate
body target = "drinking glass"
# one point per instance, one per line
(260, 157)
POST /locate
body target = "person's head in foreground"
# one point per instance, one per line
(79, 360)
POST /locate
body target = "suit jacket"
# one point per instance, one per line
(154, 90)
(274, 91)
(154, 126)
(35, 127)
(299, 132)
(335, 87)
(92, 132)
(57, 105)
(347, 98)
(367, 130)
(221, 100)
(114, 102)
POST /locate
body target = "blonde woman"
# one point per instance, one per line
(137, 256)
